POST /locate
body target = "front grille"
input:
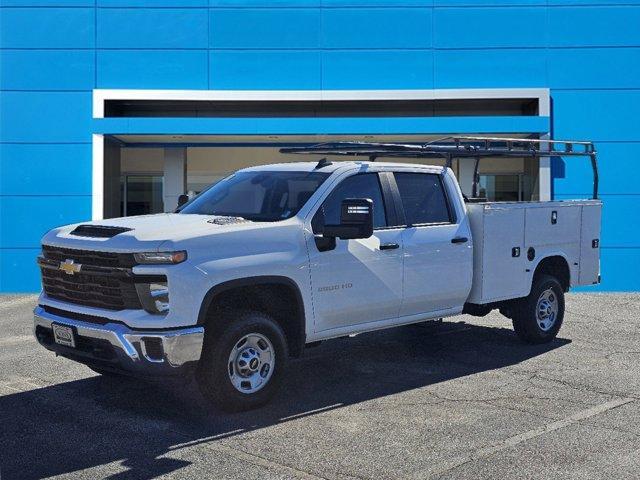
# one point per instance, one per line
(86, 257)
(109, 284)
(101, 291)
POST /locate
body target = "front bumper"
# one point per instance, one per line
(114, 346)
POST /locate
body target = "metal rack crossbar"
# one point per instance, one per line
(454, 147)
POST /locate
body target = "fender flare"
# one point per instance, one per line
(296, 344)
(542, 259)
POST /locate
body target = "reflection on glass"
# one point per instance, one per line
(141, 194)
(505, 187)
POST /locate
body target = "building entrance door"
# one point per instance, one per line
(141, 195)
(505, 187)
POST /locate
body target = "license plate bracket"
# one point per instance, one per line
(64, 335)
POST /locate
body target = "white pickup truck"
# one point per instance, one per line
(275, 257)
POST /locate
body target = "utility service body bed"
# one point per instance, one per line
(509, 238)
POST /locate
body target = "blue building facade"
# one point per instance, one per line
(56, 53)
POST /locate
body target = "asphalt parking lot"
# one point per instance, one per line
(455, 399)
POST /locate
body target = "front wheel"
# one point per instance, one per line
(242, 362)
(538, 317)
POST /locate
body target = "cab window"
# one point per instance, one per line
(363, 185)
(423, 198)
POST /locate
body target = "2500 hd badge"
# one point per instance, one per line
(335, 287)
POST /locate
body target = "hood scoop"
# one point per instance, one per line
(227, 220)
(98, 231)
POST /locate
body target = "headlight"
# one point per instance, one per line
(154, 297)
(155, 258)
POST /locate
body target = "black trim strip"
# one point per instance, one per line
(83, 317)
(390, 206)
(147, 278)
(322, 108)
(122, 274)
(89, 257)
(397, 200)
(447, 200)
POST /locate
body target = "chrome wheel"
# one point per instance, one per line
(251, 363)
(547, 310)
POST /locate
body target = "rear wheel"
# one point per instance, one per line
(538, 317)
(242, 362)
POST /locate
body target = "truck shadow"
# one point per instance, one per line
(97, 421)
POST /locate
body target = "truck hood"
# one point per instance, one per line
(145, 232)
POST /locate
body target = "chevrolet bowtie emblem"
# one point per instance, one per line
(69, 267)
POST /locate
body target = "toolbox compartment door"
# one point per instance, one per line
(590, 244)
(503, 273)
(552, 225)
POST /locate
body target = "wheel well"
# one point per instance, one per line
(278, 297)
(557, 267)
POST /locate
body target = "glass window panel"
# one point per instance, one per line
(500, 188)
(266, 196)
(144, 194)
(423, 198)
(364, 185)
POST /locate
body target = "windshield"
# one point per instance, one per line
(266, 196)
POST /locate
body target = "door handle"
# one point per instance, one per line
(459, 240)
(389, 246)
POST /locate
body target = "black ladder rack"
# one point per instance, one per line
(460, 147)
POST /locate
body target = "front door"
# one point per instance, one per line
(437, 247)
(355, 281)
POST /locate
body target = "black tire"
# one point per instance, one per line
(213, 369)
(527, 324)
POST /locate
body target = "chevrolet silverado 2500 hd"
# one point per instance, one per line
(274, 257)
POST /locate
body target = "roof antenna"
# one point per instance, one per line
(322, 163)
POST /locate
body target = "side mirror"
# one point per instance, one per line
(356, 220)
(182, 199)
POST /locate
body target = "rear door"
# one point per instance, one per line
(356, 281)
(438, 252)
